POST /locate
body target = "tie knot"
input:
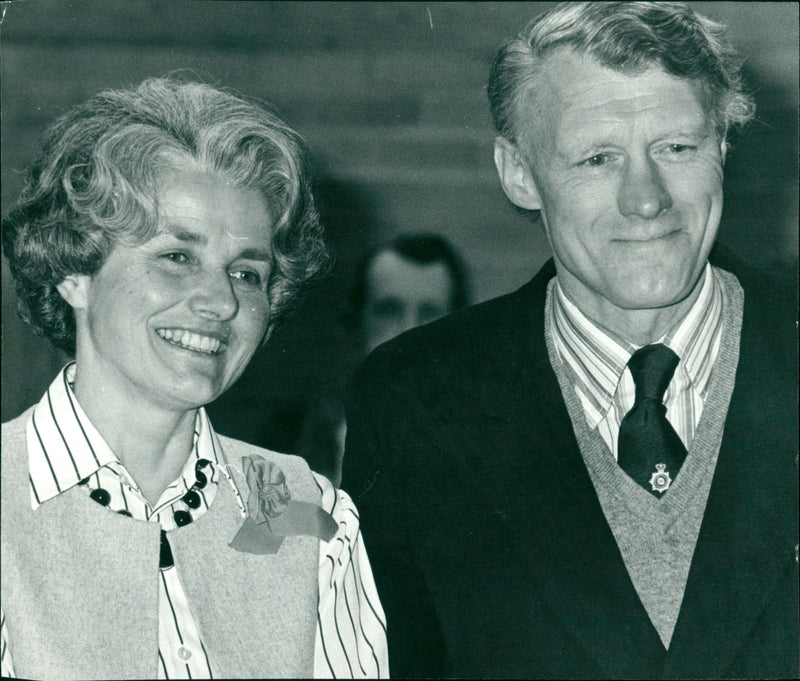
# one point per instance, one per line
(652, 368)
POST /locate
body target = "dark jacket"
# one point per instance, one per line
(489, 547)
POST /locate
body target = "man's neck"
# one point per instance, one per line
(642, 327)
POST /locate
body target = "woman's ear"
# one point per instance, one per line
(515, 176)
(75, 290)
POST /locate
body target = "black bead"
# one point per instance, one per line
(166, 560)
(125, 513)
(182, 518)
(202, 478)
(101, 496)
(191, 499)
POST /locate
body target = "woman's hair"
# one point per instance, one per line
(95, 184)
(625, 36)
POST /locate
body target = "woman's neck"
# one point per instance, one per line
(153, 444)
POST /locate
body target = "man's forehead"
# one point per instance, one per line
(391, 271)
(579, 92)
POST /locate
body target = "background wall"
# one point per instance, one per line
(391, 98)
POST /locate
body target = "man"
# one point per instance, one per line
(411, 280)
(596, 475)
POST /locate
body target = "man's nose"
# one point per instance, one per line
(214, 296)
(643, 193)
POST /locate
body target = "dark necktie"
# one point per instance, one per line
(650, 450)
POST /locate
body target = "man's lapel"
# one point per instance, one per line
(555, 518)
(749, 533)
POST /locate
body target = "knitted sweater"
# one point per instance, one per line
(657, 537)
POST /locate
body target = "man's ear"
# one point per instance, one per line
(723, 149)
(75, 290)
(515, 176)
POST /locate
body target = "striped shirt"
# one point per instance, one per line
(66, 450)
(597, 361)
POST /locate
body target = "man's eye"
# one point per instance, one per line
(680, 148)
(247, 277)
(176, 257)
(596, 160)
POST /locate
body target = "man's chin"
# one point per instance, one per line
(657, 297)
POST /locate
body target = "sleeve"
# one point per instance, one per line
(378, 457)
(6, 663)
(351, 625)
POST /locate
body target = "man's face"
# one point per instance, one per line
(174, 321)
(402, 294)
(627, 171)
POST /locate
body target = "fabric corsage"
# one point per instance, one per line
(272, 514)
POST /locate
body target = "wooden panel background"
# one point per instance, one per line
(391, 98)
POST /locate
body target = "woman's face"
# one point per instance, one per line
(174, 321)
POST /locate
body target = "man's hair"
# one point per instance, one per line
(95, 184)
(627, 37)
(422, 249)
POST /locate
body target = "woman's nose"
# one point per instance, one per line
(214, 296)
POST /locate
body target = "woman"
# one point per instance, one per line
(161, 235)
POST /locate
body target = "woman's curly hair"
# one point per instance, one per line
(95, 184)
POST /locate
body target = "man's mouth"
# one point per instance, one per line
(649, 238)
(192, 341)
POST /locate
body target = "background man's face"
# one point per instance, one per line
(402, 294)
(628, 171)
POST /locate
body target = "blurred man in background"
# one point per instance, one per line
(596, 476)
(412, 280)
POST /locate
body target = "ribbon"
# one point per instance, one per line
(272, 514)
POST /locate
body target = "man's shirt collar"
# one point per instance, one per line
(65, 448)
(598, 359)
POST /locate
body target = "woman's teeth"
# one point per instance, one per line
(190, 341)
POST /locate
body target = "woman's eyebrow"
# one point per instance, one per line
(256, 254)
(188, 236)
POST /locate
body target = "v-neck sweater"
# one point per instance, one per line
(656, 537)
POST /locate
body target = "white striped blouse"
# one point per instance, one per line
(66, 450)
(598, 361)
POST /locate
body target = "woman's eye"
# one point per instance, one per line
(247, 277)
(176, 257)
